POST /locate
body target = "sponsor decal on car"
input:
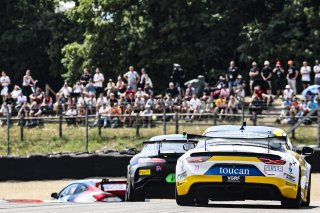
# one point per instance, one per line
(231, 170)
(182, 175)
(158, 168)
(289, 177)
(143, 172)
(171, 178)
(271, 168)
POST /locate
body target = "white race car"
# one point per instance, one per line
(243, 163)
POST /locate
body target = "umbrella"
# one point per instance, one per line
(313, 89)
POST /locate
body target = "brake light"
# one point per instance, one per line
(100, 197)
(151, 160)
(198, 159)
(272, 161)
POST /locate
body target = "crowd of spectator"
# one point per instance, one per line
(115, 103)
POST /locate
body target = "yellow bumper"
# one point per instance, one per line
(287, 189)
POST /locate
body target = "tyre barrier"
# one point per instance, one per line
(78, 166)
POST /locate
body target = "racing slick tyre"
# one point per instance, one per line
(293, 203)
(184, 200)
(133, 195)
(307, 203)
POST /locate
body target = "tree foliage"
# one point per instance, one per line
(201, 35)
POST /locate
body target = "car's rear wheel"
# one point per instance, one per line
(307, 203)
(133, 195)
(184, 200)
(293, 203)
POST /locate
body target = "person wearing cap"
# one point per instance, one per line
(255, 76)
(266, 74)
(231, 74)
(292, 76)
(98, 80)
(316, 70)
(280, 78)
(288, 93)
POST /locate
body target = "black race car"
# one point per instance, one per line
(151, 173)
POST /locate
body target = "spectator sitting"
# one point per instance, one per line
(65, 90)
(255, 105)
(140, 92)
(172, 90)
(47, 104)
(139, 103)
(121, 86)
(169, 103)
(240, 82)
(90, 88)
(100, 101)
(225, 92)
(221, 83)
(127, 120)
(268, 97)
(258, 92)
(286, 105)
(311, 105)
(10, 102)
(113, 90)
(159, 105)
(296, 108)
(77, 89)
(71, 114)
(37, 96)
(104, 112)
(4, 111)
(220, 106)
(195, 105)
(21, 100)
(16, 92)
(35, 111)
(130, 99)
(112, 100)
(130, 91)
(232, 107)
(147, 113)
(288, 93)
(239, 93)
(151, 102)
(110, 84)
(115, 112)
(188, 94)
(148, 89)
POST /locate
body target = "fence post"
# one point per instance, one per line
(293, 134)
(87, 129)
(99, 126)
(21, 129)
(164, 118)
(177, 123)
(8, 129)
(60, 126)
(137, 125)
(254, 118)
(215, 117)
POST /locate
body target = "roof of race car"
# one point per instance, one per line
(233, 131)
(92, 181)
(171, 137)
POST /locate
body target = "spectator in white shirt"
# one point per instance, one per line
(288, 93)
(16, 92)
(98, 80)
(100, 101)
(132, 77)
(71, 114)
(305, 73)
(195, 105)
(316, 70)
(21, 99)
(5, 82)
(65, 90)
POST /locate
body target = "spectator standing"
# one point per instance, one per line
(143, 78)
(85, 77)
(305, 74)
(280, 78)
(254, 76)
(27, 83)
(4, 82)
(292, 76)
(132, 77)
(316, 70)
(173, 90)
(98, 80)
(231, 75)
(266, 74)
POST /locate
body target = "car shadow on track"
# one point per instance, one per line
(254, 206)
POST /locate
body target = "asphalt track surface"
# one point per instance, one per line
(163, 206)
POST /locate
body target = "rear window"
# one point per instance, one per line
(175, 147)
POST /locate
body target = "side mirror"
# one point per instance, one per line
(307, 151)
(54, 195)
(188, 146)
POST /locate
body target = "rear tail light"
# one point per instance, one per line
(100, 197)
(151, 160)
(197, 159)
(272, 161)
